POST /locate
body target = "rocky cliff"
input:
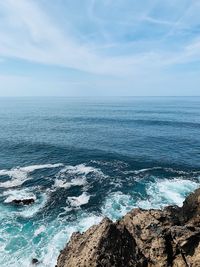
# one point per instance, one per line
(159, 238)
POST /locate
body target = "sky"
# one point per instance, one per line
(99, 47)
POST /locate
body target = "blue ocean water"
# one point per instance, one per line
(85, 158)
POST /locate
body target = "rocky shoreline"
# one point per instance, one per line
(169, 237)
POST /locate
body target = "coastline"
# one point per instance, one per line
(168, 237)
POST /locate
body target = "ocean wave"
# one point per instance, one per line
(159, 193)
(76, 202)
(117, 205)
(32, 168)
(74, 182)
(167, 192)
(21, 174)
(80, 169)
(65, 177)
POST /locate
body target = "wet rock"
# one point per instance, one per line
(160, 238)
(26, 202)
(35, 261)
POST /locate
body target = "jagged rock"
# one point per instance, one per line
(107, 244)
(27, 201)
(191, 209)
(152, 238)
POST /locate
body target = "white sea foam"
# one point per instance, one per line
(160, 193)
(117, 205)
(38, 231)
(167, 192)
(20, 175)
(79, 201)
(17, 176)
(146, 170)
(18, 194)
(80, 169)
(74, 182)
(31, 210)
(32, 168)
(51, 251)
(87, 221)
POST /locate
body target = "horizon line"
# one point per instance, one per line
(91, 96)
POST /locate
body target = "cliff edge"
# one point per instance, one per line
(142, 238)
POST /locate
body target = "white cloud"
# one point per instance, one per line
(28, 33)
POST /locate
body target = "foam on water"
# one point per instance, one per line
(38, 231)
(32, 168)
(32, 210)
(74, 182)
(17, 176)
(146, 170)
(50, 240)
(60, 238)
(65, 177)
(79, 201)
(160, 193)
(80, 169)
(20, 175)
(167, 192)
(18, 194)
(24, 211)
(117, 205)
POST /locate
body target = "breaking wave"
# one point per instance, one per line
(21, 174)
(159, 194)
(79, 201)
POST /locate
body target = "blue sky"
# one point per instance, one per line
(99, 47)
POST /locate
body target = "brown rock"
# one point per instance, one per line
(107, 244)
(191, 209)
(159, 238)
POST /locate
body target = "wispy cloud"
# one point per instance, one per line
(127, 39)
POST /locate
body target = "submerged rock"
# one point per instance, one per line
(160, 238)
(27, 201)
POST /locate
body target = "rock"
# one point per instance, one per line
(27, 201)
(35, 261)
(160, 238)
(107, 244)
(187, 240)
(191, 209)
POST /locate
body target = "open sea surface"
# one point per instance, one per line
(85, 158)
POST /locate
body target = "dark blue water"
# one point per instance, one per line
(84, 158)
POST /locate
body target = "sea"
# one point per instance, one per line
(85, 158)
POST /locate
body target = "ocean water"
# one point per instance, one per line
(85, 158)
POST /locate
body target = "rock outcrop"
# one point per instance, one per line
(25, 202)
(142, 238)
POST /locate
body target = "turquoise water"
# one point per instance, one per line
(85, 158)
